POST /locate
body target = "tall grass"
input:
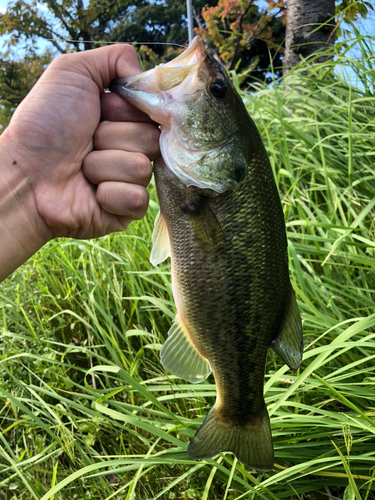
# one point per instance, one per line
(86, 409)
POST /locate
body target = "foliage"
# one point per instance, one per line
(242, 34)
(76, 25)
(352, 9)
(16, 79)
(157, 29)
(86, 410)
(219, 23)
(60, 20)
(236, 32)
(162, 22)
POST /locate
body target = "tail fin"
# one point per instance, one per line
(251, 443)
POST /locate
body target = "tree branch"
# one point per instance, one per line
(197, 19)
(59, 15)
(252, 39)
(237, 47)
(50, 34)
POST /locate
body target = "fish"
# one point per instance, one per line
(221, 222)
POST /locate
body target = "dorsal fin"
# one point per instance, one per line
(161, 248)
(179, 356)
(288, 344)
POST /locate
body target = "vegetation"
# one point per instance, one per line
(86, 409)
(65, 24)
(17, 77)
(157, 29)
(241, 33)
(314, 26)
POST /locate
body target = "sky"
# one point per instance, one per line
(18, 52)
(367, 26)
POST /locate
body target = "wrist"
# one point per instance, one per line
(22, 230)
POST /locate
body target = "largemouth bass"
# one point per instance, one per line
(222, 223)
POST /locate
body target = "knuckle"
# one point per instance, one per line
(103, 195)
(60, 61)
(138, 199)
(130, 50)
(99, 135)
(152, 138)
(143, 168)
(88, 167)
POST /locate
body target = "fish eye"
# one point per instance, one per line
(218, 89)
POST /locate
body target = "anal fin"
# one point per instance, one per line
(288, 344)
(179, 356)
(161, 249)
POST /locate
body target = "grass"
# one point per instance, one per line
(86, 409)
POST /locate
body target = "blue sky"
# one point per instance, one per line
(367, 26)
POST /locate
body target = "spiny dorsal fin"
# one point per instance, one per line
(288, 344)
(161, 248)
(179, 356)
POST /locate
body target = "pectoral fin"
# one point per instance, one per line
(288, 344)
(206, 228)
(161, 249)
(179, 356)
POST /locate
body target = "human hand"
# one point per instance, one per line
(53, 183)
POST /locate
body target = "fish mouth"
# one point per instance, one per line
(164, 93)
(164, 77)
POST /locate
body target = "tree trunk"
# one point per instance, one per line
(310, 28)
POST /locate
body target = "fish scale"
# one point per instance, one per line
(232, 324)
(222, 224)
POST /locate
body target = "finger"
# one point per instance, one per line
(116, 109)
(128, 136)
(116, 165)
(101, 65)
(121, 198)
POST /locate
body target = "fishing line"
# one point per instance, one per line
(103, 43)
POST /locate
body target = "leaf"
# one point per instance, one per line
(349, 493)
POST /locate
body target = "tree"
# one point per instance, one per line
(158, 22)
(16, 80)
(311, 27)
(237, 31)
(242, 34)
(67, 24)
(159, 25)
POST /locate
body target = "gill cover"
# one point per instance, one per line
(193, 100)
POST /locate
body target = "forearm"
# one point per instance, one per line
(20, 226)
